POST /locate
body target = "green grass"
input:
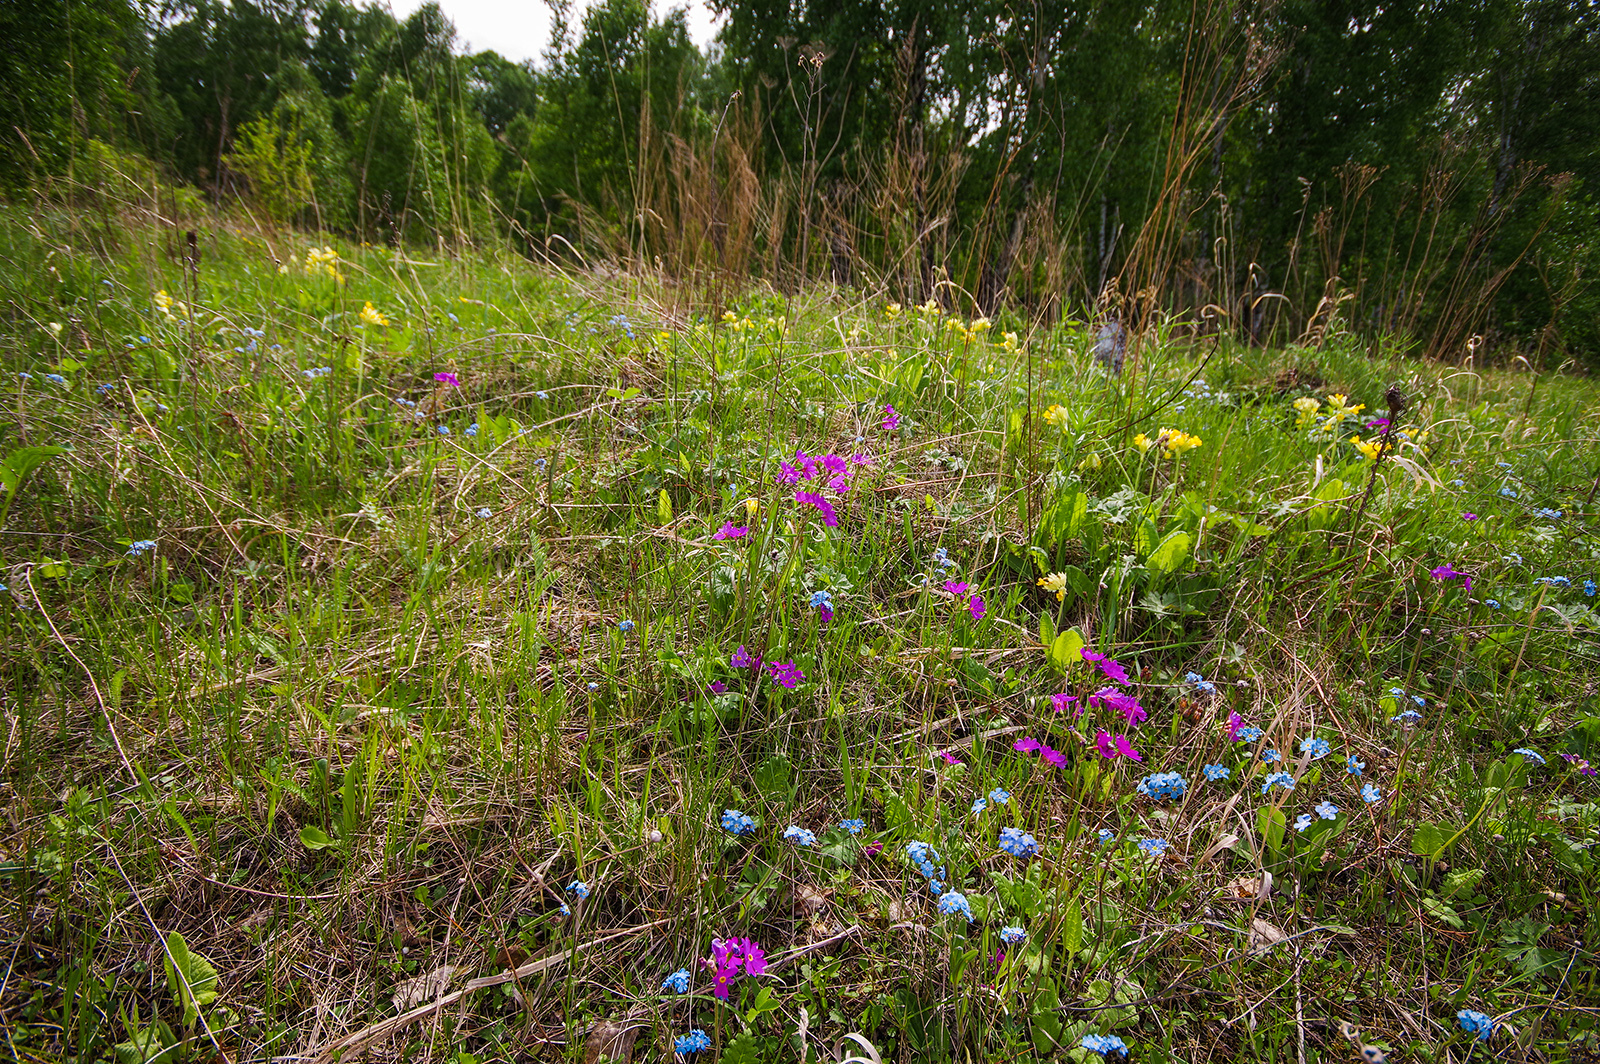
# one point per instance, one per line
(366, 709)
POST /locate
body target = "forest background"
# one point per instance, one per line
(1425, 171)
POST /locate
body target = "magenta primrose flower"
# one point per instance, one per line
(1125, 748)
(728, 956)
(1120, 702)
(891, 420)
(955, 587)
(1025, 745)
(785, 673)
(950, 759)
(729, 530)
(976, 607)
(1235, 724)
(830, 516)
(1110, 666)
(447, 378)
(742, 659)
(1052, 757)
(1062, 701)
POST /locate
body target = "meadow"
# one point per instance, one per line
(435, 656)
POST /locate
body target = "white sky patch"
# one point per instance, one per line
(520, 29)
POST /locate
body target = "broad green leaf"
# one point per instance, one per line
(314, 838)
(1271, 822)
(190, 977)
(1065, 650)
(1429, 840)
(1170, 556)
(664, 507)
(1145, 537)
(1072, 927)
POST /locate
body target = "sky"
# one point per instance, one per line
(520, 29)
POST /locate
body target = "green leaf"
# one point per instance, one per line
(1271, 822)
(1170, 556)
(1145, 537)
(190, 977)
(314, 838)
(1429, 841)
(664, 507)
(742, 1049)
(1072, 927)
(1065, 651)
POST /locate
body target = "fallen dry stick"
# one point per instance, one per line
(325, 1053)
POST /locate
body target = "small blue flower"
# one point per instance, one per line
(1508, 492)
(55, 378)
(736, 823)
(821, 598)
(1201, 684)
(678, 981)
(1154, 847)
(138, 547)
(1269, 755)
(1548, 514)
(799, 836)
(1018, 843)
(1105, 835)
(484, 513)
(443, 430)
(1589, 588)
(955, 903)
(1163, 786)
(1012, 935)
(979, 806)
(566, 910)
(1104, 1044)
(1407, 717)
(1248, 734)
(1353, 766)
(593, 686)
(624, 626)
(1530, 755)
(1217, 772)
(1554, 581)
(1318, 748)
(1371, 793)
(1000, 796)
(1327, 810)
(693, 1042)
(471, 430)
(538, 463)
(542, 395)
(1458, 483)
(105, 389)
(1302, 821)
(1281, 779)
(1493, 604)
(1476, 1023)
(854, 827)
(578, 887)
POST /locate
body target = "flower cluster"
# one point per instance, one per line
(1317, 748)
(678, 981)
(737, 823)
(955, 903)
(1018, 843)
(1104, 1044)
(799, 836)
(832, 469)
(693, 1042)
(139, 546)
(729, 530)
(1163, 786)
(785, 673)
(728, 956)
(1030, 745)
(929, 863)
(1172, 442)
(1476, 1023)
(1281, 779)
(1201, 685)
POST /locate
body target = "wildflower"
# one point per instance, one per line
(742, 660)
(1053, 757)
(1200, 683)
(1012, 935)
(1530, 755)
(446, 378)
(785, 673)
(315, 372)
(979, 805)
(1154, 847)
(578, 887)
(1544, 511)
(1248, 734)
(1105, 1044)
(472, 429)
(678, 981)
(729, 530)
(976, 607)
(443, 430)
(1217, 772)
(854, 827)
(1353, 766)
(830, 516)
(1407, 717)
(1056, 416)
(1125, 748)
(1163, 786)
(1144, 443)
(926, 858)
(1105, 835)
(955, 587)
(891, 420)
(593, 686)
(1060, 702)
(716, 687)
(950, 759)
(799, 836)
(1589, 588)
(1306, 409)
(1476, 1023)
(484, 513)
(1468, 516)
(1056, 584)
(1235, 725)
(1508, 492)
(955, 903)
(566, 910)
(138, 547)
(1444, 572)
(1371, 793)
(624, 626)
(1104, 744)
(1000, 796)
(1371, 449)
(370, 315)
(1270, 755)
(1282, 779)
(1112, 668)
(1018, 843)
(1026, 745)
(1493, 604)
(737, 823)
(751, 506)
(1327, 810)
(1302, 821)
(1317, 748)
(821, 598)
(693, 1042)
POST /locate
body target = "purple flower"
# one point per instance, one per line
(1378, 423)
(788, 474)
(1103, 743)
(955, 587)
(785, 673)
(743, 660)
(1125, 748)
(891, 420)
(716, 687)
(1110, 666)
(1444, 572)
(728, 956)
(1120, 702)
(1235, 725)
(976, 607)
(447, 378)
(729, 530)
(1061, 701)
(860, 459)
(1469, 517)
(825, 613)
(950, 759)
(1053, 757)
(835, 465)
(1030, 745)
(830, 516)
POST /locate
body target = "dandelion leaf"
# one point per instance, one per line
(741, 1049)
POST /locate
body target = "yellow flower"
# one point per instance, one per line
(931, 308)
(1177, 442)
(729, 315)
(1370, 450)
(892, 311)
(1009, 341)
(1307, 408)
(370, 315)
(1056, 416)
(979, 325)
(1056, 584)
(1090, 464)
(1338, 411)
(751, 506)
(1144, 443)
(164, 301)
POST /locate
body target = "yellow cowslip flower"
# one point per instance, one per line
(1338, 411)
(1056, 416)
(892, 311)
(1090, 464)
(931, 309)
(1307, 408)
(1056, 584)
(163, 302)
(729, 316)
(751, 506)
(954, 325)
(979, 325)
(1144, 443)
(1370, 449)
(370, 315)
(1009, 341)
(1177, 442)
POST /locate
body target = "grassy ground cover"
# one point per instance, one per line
(446, 658)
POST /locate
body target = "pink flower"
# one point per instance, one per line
(1062, 701)
(729, 530)
(447, 378)
(788, 474)
(891, 420)
(1103, 743)
(873, 850)
(1235, 723)
(1126, 749)
(949, 758)
(1469, 517)
(976, 607)
(860, 459)
(785, 673)
(1054, 757)
(835, 465)
(830, 516)
(717, 687)
(839, 484)
(955, 587)
(825, 613)
(1025, 746)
